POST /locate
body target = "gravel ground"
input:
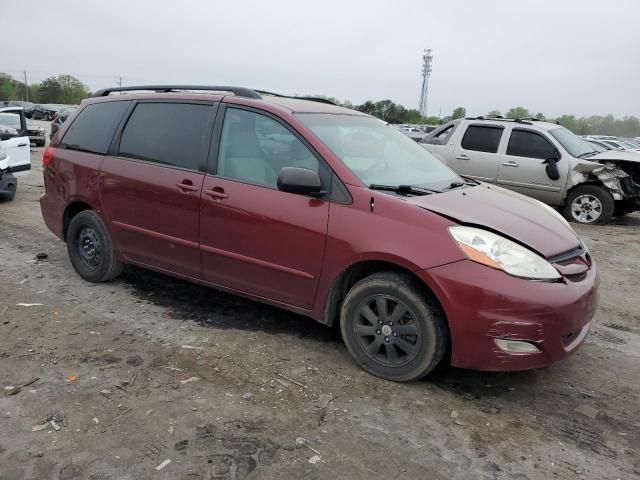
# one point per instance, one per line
(148, 369)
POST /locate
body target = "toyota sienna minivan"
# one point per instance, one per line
(323, 211)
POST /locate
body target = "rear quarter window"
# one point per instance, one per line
(94, 127)
(481, 138)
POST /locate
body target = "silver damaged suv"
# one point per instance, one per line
(544, 161)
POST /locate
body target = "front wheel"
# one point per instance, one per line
(589, 204)
(392, 329)
(90, 248)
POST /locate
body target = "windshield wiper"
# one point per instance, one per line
(404, 189)
(587, 153)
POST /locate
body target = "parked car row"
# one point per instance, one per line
(613, 143)
(415, 131)
(542, 160)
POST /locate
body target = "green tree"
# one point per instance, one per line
(494, 113)
(459, 112)
(433, 120)
(10, 89)
(50, 91)
(34, 92)
(73, 90)
(568, 121)
(518, 112)
(62, 89)
(540, 116)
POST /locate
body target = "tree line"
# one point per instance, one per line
(67, 89)
(63, 89)
(388, 111)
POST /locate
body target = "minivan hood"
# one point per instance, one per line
(505, 212)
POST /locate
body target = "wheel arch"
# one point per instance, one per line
(70, 211)
(355, 272)
(592, 181)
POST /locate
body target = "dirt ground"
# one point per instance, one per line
(148, 369)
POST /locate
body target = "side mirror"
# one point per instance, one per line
(300, 180)
(552, 168)
(7, 133)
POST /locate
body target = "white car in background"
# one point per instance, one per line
(15, 155)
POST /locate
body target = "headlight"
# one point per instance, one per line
(498, 252)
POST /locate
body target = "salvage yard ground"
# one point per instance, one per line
(151, 377)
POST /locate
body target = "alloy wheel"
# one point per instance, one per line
(586, 208)
(387, 330)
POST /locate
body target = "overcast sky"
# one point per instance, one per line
(551, 56)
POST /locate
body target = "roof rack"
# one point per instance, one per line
(311, 99)
(502, 119)
(238, 91)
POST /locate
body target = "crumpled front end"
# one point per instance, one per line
(621, 177)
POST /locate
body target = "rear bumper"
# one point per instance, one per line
(52, 210)
(483, 304)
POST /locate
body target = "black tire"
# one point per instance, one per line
(623, 208)
(426, 332)
(90, 248)
(589, 205)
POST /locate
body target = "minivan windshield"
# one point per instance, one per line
(377, 153)
(572, 143)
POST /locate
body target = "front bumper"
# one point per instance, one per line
(483, 304)
(8, 185)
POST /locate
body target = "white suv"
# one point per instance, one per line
(544, 161)
(15, 155)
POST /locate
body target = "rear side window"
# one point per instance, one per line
(93, 128)
(167, 133)
(482, 138)
(523, 143)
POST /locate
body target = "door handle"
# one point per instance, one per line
(216, 192)
(187, 187)
(22, 144)
(463, 157)
(511, 164)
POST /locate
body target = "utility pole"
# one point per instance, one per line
(26, 87)
(120, 82)
(427, 58)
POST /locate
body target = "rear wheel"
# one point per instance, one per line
(589, 204)
(90, 248)
(391, 329)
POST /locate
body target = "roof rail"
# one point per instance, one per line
(238, 91)
(501, 119)
(310, 99)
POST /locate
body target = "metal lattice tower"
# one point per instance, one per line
(427, 58)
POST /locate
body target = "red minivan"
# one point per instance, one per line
(324, 211)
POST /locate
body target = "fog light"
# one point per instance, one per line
(515, 346)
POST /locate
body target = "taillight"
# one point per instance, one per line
(47, 156)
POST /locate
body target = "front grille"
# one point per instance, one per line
(569, 256)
